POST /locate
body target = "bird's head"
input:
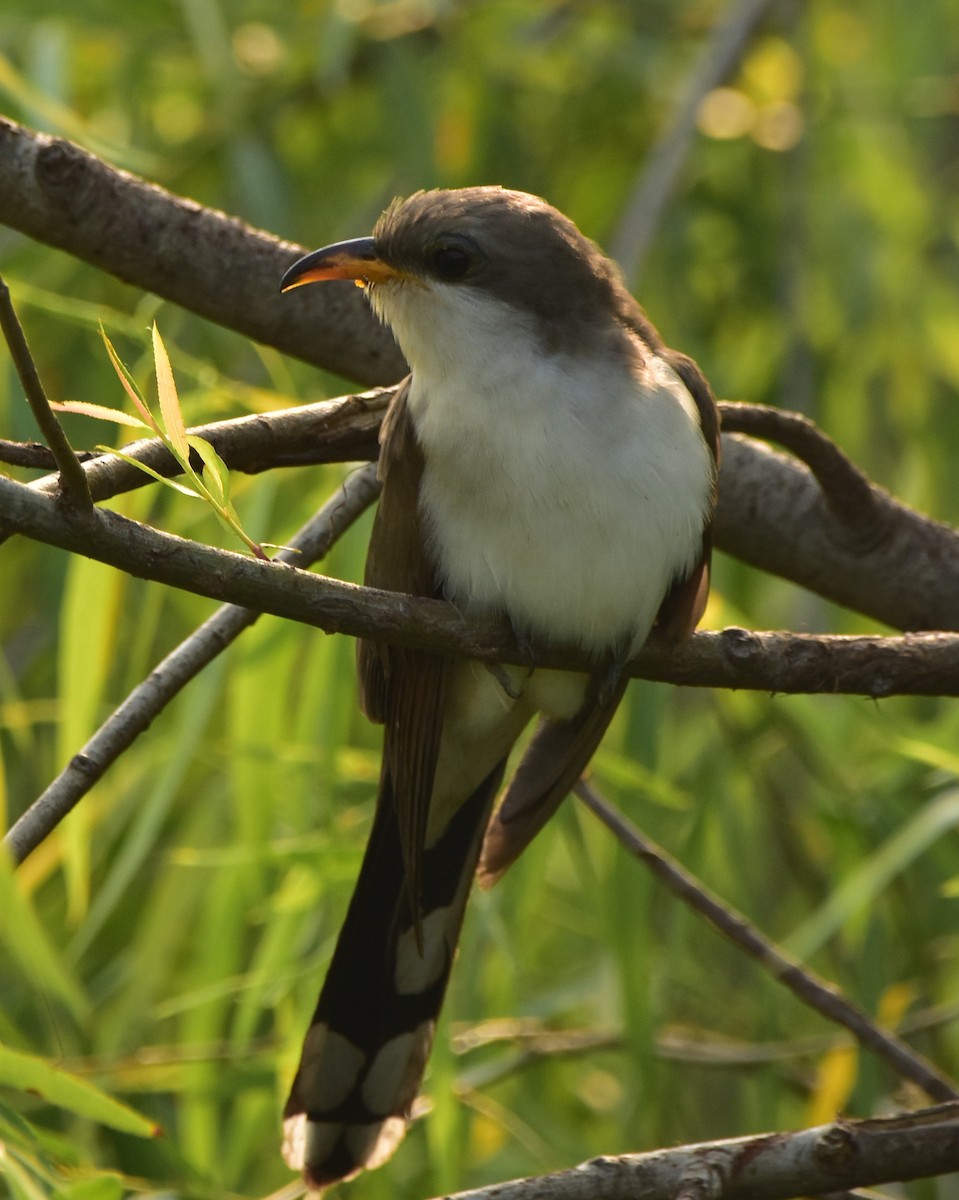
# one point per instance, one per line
(484, 256)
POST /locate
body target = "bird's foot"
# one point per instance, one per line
(505, 680)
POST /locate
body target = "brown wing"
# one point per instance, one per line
(557, 755)
(399, 687)
(685, 602)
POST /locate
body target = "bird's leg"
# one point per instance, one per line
(503, 677)
(609, 677)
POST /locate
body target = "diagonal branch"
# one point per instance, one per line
(181, 665)
(824, 997)
(72, 481)
(662, 165)
(209, 263)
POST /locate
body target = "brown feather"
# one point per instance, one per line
(403, 688)
(557, 755)
(685, 602)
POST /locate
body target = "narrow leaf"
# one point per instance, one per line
(28, 945)
(99, 412)
(127, 458)
(216, 474)
(27, 1072)
(129, 385)
(170, 410)
(854, 895)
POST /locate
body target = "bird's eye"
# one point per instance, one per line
(451, 262)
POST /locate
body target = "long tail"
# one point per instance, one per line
(370, 1036)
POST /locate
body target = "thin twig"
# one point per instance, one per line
(73, 482)
(170, 676)
(662, 164)
(35, 455)
(815, 992)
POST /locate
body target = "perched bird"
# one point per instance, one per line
(547, 459)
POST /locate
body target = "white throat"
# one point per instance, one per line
(565, 491)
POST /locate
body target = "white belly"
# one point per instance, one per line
(570, 502)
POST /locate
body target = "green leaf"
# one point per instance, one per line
(177, 487)
(98, 1187)
(216, 474)
(27, 1072)
(129, 384)
(27, 942)
(99, 412)
(170, 409)
(861, 888)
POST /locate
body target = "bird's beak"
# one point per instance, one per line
(356, 260)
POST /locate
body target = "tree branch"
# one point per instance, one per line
(853, 544)
(824, 997)
(205, 261)
(72, 481)
(902, 569)
(772, 513)
(918, 664)
(663, 163)
(851, 498)
(169, 677)
(828, 1158)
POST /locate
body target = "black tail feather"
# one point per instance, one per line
(367, 1045)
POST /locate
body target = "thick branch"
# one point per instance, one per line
(904, 572)
(853, 543)
(919, 664)
(208, 262)
(901, 568)
(829, 1158)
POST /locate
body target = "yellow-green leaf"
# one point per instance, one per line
(29, 1073)
(216, 474)
(169, 400)
(99, 412)
(127, 458)
(835, 1079)
(129, 386)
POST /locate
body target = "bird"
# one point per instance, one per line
(548, 460)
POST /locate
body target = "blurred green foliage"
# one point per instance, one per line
(166, 945)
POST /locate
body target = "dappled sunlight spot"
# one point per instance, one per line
(257, 48)
(726, 113)
(177, 117)
(600, 1090)
(773, 71)
(779, 126)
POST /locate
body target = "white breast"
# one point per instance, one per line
(567, 494)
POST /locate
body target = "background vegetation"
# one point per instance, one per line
(167, 944)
